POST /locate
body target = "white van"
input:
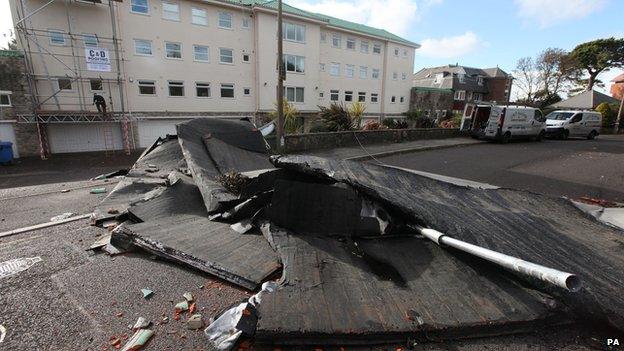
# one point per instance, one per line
(503, 123)
(564, 124)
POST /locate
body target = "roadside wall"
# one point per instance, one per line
(315, 141)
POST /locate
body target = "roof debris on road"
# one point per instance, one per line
(11, 267)
(345, 240)
(138, 340)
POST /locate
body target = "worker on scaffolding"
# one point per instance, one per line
(99, 102)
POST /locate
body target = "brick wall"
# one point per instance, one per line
(496, 90)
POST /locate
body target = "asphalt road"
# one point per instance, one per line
(571, 168)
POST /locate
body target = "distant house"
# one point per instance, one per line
(617, 88)
(467, 84)
(587, 100)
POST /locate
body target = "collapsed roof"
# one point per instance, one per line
(339, 236)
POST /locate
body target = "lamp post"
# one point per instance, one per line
(281, 76)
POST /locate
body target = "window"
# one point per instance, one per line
(438, 78)
(293, 32)
(323, 37)
(477, 96)
(393, 99)
(294, 63)
(57, 37)
(462, 77)
(376, 48)
(245, 23)
(95, 84)
(90, 40)
(375, 74)
(5, 98)
(139, 6)
(176, 88)
(173, 50)
(395, 75)
(227, 90)
(350, 43)
(362, 96)
(401, 99)
(143, 47)
(363, 72)
(403, 76)
(348, 96)
(226, 56)
(480, 80)
(469, 96)
(320, 94)
(294, 94)
(246, 58)
(322, 67)
(364, 47)
(374, 98)
(225, 20)
(404, 53)
(349, 69)
(336, 40)
(334, 94)
(201, 53)
(64, 84)
(147, 87)
(171, 11)
(246, 91)
(460, 95)
(202, 89)
(198, 16)
(334, 69)
(396, 51)
(577, 118)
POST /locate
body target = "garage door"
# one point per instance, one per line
(150, 130)
(83, 137)
(8, 134)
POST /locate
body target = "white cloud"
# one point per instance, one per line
(395, 16)
(550, 12)
(6, 23)
(449, 47)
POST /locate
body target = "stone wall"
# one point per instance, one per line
(316, 141)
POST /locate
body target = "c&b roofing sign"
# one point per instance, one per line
(97, 59)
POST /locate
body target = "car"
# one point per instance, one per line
(503, 122)
(564, 124)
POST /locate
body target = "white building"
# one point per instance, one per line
(183, 59)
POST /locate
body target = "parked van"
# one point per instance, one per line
(503, 123)
(564, 124)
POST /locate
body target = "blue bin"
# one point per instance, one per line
(6, 151)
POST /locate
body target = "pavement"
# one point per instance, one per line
(76, 299)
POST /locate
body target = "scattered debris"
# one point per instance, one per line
(233, 181)
(43, 225)
(2, 332)
(195, 322)
(11, 267)
(101, 241)
(121, 172)
(65, 190)
(188, 296)
(147, 293)
(181, 306)
(119, 314)
(141, 323)
(138, 340)
(112, 211)
(98, 191)
(61, 216)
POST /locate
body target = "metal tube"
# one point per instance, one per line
(565, 280)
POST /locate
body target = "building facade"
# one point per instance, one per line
(172, 60)
(468, 84)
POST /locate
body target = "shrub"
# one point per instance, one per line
(392, 123)
(609, 114)
(292, 123)
(336, 118)
(418, 119)
(373, 125)
(355, 112)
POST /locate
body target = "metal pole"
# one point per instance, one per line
(616, 128)
(565, 280)
(119, 84)
(280, 80)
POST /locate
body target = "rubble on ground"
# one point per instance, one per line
(339, 238)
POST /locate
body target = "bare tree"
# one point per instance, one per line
(555, 70)
(526, 79)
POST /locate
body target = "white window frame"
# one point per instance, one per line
(376, 46)
(322, 67)
(405, 53)
(348, 93)
(147, 8)
(245, 23)
(460, 95)
(297, 29)
(248, 57)
(323, 37)
(361, 96)
(203, 85)
(396, 51)
(179, 50)
(195, 46)
(332, 66)
(375, 73)
(6, 93)
(480, 80)
(364, 46)
(395, 75)
(146, 82)
(228, 19)
(403, 76)
(349, 71)
(393, 99)
(56, 31)
(374, 98)
(402, 99)
(461, 77)
(334, 93)
(58, 86)
(94, 40)
(469, 95)
(195, 16)
(228, 86)
(177, 84)
(296, 93)
(298, 61)
(439, 77)
(351, 40)
(144, 41)
(336, 38)
(246, 94)
(170, 15)
(221, 57)
(91, 87)
(363, 69)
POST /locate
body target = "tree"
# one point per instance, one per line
(597, 56)
(527, 79)
(555, 69)
(12, 43)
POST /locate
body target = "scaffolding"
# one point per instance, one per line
(61, 103)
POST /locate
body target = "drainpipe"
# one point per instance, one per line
(384, 74)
